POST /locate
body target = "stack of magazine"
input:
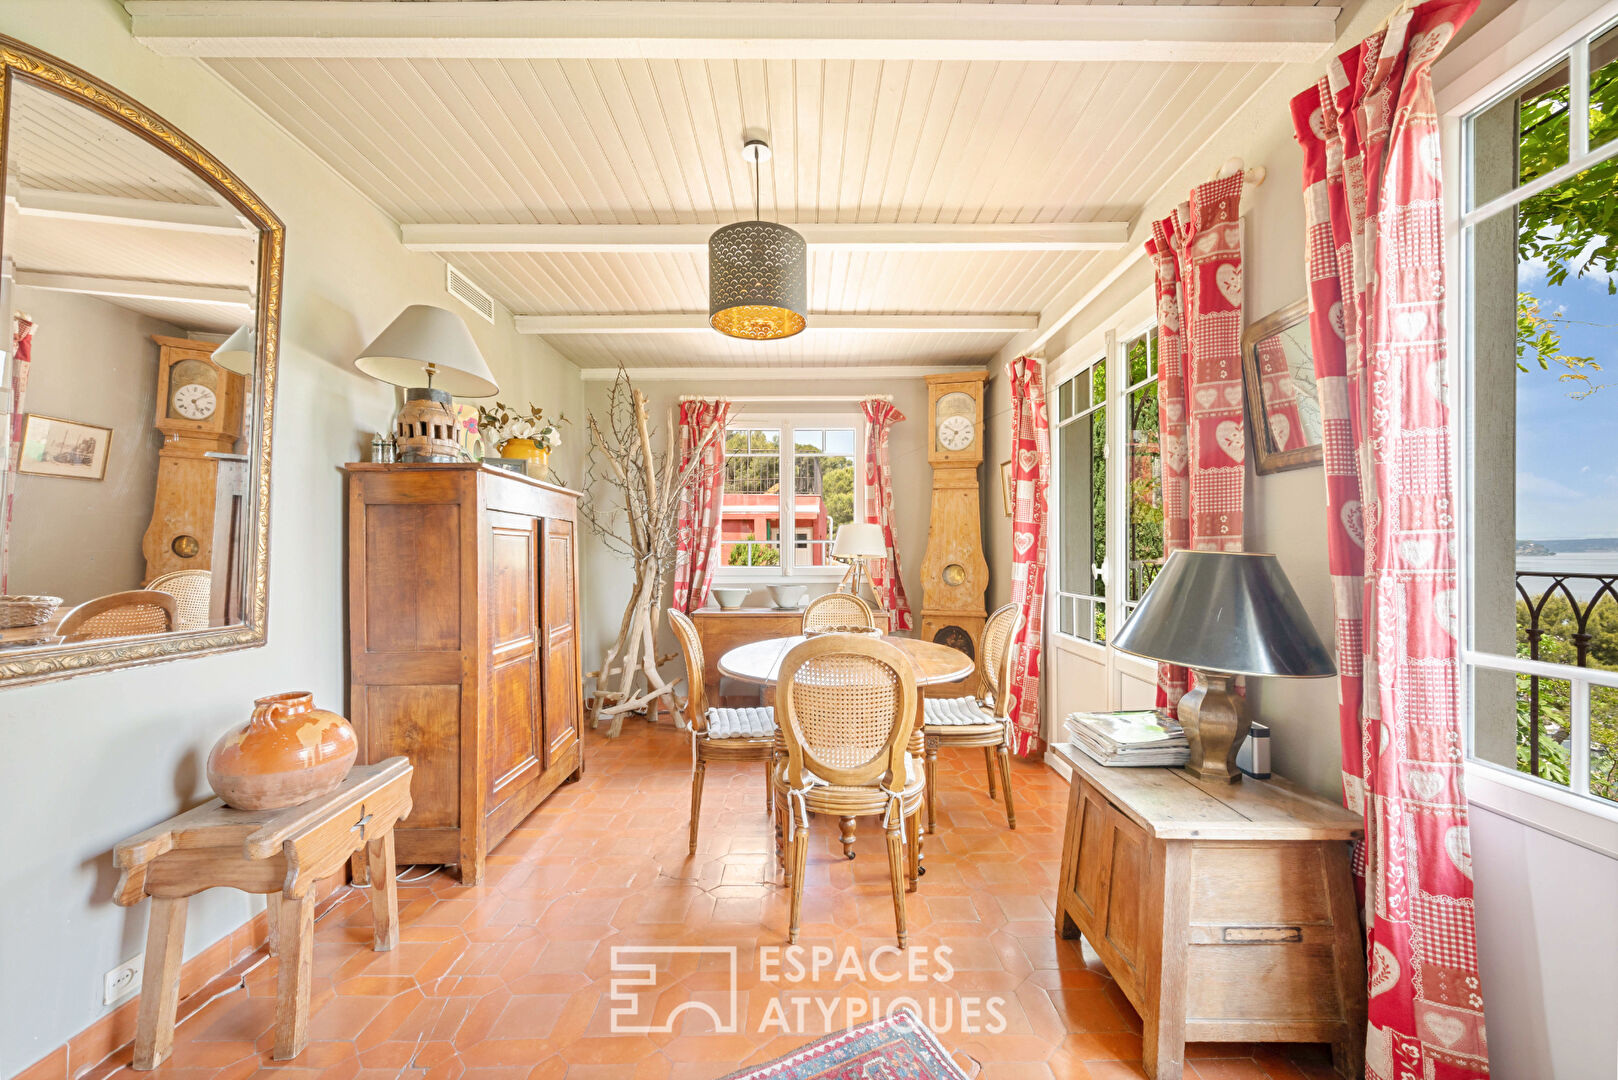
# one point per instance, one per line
(1137, 737)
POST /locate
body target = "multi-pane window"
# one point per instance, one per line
(1081, 448)
(1143, 481)
(821, 458)
(1541, 409)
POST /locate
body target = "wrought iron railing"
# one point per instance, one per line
(1542, 588)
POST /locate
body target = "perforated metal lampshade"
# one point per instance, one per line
(758, 281)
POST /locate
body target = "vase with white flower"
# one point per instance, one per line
(524, 436)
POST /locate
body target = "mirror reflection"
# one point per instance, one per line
(126, 389)
(1282, 399)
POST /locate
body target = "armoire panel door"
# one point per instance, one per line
(513, 746)
(559, 605)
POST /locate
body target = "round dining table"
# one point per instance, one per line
(759, 662)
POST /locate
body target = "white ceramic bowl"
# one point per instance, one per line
(730, 598)
(789, 597)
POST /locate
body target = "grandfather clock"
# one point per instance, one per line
(199, 411)
(954, 574)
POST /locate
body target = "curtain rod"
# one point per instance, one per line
(790, 398)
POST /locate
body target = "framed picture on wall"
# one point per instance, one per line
(55, 447)
(1006, 500)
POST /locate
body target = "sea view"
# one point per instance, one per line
(1572, 562)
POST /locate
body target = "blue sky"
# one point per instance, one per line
(1567, 449)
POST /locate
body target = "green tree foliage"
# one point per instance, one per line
(747, 553)
(1558, 624)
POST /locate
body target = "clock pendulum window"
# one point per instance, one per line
(955, 575)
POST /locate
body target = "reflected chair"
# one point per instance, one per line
(978, 721)
(847, 706)
(122, 614)
(837, 609)
(718, 734)
(193, 594)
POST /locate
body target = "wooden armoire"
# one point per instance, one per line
(464, 647)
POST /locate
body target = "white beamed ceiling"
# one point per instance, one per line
(625, 142)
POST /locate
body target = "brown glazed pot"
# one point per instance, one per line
(288, 753)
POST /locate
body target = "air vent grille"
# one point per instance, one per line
(460, 286)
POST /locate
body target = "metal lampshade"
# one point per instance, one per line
(1229, 612)
(758, 281)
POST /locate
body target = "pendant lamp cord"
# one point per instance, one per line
(758, 188)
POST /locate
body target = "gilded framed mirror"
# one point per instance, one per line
(140, 284)
(1278, 370)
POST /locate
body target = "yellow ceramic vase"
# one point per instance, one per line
(535, 458)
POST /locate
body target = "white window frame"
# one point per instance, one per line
(1496, 61)
(788, 424)
(1103, 571)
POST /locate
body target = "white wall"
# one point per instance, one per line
(97, 758)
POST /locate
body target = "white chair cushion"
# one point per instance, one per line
(915, 778)
(963, 710)
(741, 723)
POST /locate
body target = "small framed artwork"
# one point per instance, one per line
(1006, 499)
(56, 447)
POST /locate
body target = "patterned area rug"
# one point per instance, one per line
(896, 1047)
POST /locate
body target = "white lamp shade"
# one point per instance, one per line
(239, 351)
(423, 335)
(860, 538)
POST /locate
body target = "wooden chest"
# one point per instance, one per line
(1226, 912)
(464, 647)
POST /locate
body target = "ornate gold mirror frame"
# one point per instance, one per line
(20, 62)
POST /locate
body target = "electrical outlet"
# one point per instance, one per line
(123, 980)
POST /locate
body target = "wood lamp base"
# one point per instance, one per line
(1216, 723)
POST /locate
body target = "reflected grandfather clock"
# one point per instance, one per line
(955, 575)
(200, 479)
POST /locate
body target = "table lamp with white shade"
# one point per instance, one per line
(426, 344)
(857, 542)
(1223, 614)
(239, 351)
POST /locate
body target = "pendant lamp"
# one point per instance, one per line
(758, 272)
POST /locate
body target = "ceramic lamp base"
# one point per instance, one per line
(1216, 723)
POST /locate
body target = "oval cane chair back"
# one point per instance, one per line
(124, 614)
(696, 698)
(193, 593)
(846, 705)
(837, 609)
(999, 637)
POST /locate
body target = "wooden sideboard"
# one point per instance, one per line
(721, 630)
(464, 647)
(1226, 912)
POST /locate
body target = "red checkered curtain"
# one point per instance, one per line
(1373, 194)
(1197, 254)
(697, 556)
(1030, 479)
(22, 356)
(1280, 396)
(880, 416)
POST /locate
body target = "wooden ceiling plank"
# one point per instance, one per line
(697, 322)
(517, 237)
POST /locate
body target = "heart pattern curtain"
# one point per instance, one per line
(880, 416)
(696, 558)
(1197, 255)
(1373, 198)
(22, 355)
(1030, 479)
(1280, 396)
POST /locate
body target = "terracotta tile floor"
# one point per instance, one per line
(511, 978)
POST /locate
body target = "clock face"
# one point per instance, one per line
(955, 433)
(956, 417)
(193, 401)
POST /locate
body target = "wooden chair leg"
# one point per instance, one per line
(697, 772)
(847, 827)
(932, 784)
(384, 893)
(769, 791)
(272, 923)
(292, 981)
(1005, 782)
(988, 761)
(800, 860)
(160, 984)
(913, 851)
(896, 875)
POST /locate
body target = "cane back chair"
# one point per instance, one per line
(847, 706)
(978, 721)
(718, 734)
(193, 594)
(837, 609)
(122, 614)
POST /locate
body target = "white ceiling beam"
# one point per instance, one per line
(753, 373)
(135, 288)
(143, 213)
(695, 322)
(652, 239)
(684, 30)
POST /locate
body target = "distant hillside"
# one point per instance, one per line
(1563, 547)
